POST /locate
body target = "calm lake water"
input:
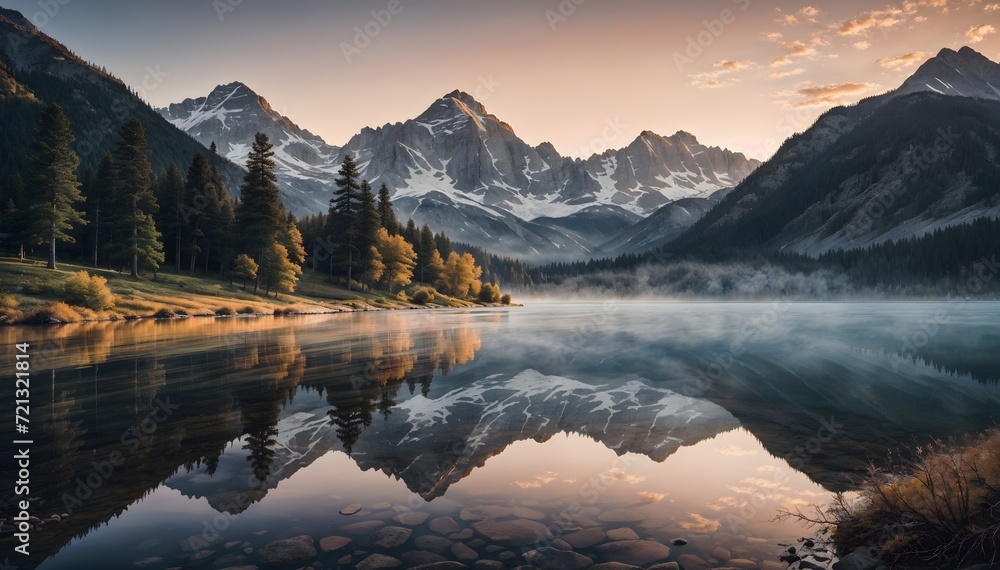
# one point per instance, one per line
(479, 435)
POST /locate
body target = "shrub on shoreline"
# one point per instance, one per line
(90, 291)
(941, 506)
(423, 295)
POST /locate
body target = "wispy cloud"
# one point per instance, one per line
(991, 7)
(648, 498)
(712, 80)
(862, 45)
(824, 95)
(809, 11)
(793, 50)
(978, 33)
(735, 64)
(720, 76)
(786, 19)
(772, 36)
(876, 19)
(903, 61)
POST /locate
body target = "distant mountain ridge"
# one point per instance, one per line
(464, 171)
(922, 157)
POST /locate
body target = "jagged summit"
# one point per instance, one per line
(962, 73)
(233, 113)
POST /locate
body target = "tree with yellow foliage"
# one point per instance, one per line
(460, 277)
(398, 259)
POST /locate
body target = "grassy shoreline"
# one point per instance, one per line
(32, 294)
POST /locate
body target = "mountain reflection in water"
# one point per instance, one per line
(540, 407)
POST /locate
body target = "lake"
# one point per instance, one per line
(606, 429)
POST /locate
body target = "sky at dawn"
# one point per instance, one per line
(586, 75)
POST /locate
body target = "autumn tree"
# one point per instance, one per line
(244, 269)
(52, 169)
(398, 258)
(277, 272)
(460, 277)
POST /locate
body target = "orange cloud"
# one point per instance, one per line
(978, 33)
(877, 19)
(835, 94)
(789, 73)
(793, 50)
(904, 61)
(734, 64)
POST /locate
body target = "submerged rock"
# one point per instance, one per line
(519, 532)
(635, 552)
(350, 509)
(411, 519)
(288, 551)
(586, 538)
(623, 534)
(444, 525)
(331, 543)
(376, 561)
(390, 537)
(484, 513)
(548, 558)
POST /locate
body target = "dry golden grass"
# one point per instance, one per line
(941, 506)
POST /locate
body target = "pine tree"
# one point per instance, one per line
(425, 251)
(342, 221)
(368, 225)
(170, 197)
(411, 234)
(136, 201)
(259, 215)
(385, 211)
(52, 168)
(13, 221)
(222, 212)
(199, 192)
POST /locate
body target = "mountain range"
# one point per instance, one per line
(462, 170)
(916, 159)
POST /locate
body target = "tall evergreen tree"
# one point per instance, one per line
(101, 204)
(259, 214)
(426, 248)
(136, 201)
(222, 212)
(385, 211)
(170, 220)
(342, 221)
(52, 168)
(368, 224)
(13, 221)
(199, 192)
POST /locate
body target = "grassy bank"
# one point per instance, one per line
(31, 293)
(940, 507)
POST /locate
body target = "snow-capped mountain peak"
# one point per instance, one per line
(962, 73)
(232, 114)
